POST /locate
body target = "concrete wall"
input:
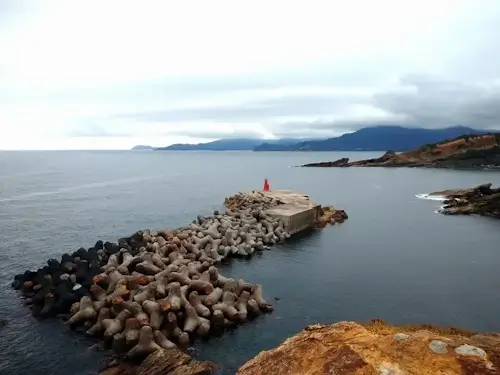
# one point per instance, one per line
(298, 212)
(299, 220)
(303, 220)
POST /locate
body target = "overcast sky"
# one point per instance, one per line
(113, 74)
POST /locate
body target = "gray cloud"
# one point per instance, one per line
(416, 100)
(324, 129)
(216, 134)
(433, 102)
(257, 110)
(325, 79)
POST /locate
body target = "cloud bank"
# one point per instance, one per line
(115, 74)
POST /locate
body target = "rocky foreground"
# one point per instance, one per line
(377, 348)
(478, 151)
(480, 200)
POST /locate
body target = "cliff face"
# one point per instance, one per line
(350, 348)
(479, 151)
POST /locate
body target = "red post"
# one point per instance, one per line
(266, 185)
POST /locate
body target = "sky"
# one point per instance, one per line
(114, 74)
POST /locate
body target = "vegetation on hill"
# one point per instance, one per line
(466, 151)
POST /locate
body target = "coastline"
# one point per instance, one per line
(468, 152)
(482, 200)
(492, 168)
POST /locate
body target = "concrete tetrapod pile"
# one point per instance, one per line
(156, 290)
(251, 200)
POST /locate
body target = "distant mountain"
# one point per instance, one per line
(377, 138)
(234, 144)
(142, 147)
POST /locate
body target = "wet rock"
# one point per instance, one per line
(174, 361)
(119, 369)
(163, 362)
(480, 200)
(329, 214)
(342, 162)
(378, 348)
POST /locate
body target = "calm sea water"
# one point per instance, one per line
(394, 259)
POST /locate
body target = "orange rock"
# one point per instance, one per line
(142, 280)
(164, 362)
(97, 279)
(175, 362)
(377, 348)
(329, 215)
(118, 370)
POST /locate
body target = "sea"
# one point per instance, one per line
(395, 258)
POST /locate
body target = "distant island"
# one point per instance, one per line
(467, 151)
(237, 144)
(377, 138)
(142, 147)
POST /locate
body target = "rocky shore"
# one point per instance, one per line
(379, 348)
(330, 215)
(465, 152)
(155, 292)
(480, 200)
(164, 362)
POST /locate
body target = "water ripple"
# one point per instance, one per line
(393, 259)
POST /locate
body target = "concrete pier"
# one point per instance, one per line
(298, 212)
(162, 287)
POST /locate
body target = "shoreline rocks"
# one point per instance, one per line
(251, 200)
(465, 152)
(480, 200)
(330, 215)
(156, 291)
(164, 361)
(379, 348)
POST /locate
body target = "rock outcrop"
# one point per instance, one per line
(330, 215)
(476, 151)
(163, 362)
(480, 200)
(378, 348)
(342, 162)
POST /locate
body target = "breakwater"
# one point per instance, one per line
(159, 289)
